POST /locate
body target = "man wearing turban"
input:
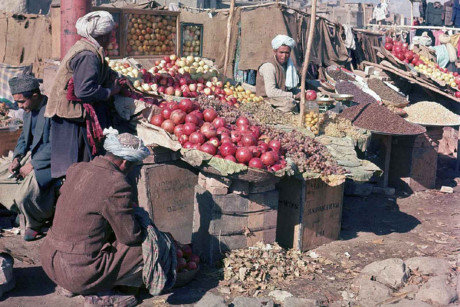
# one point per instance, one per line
(78, 103)
(26, 185)
(277, 77)
(95, 241)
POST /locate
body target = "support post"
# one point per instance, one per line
(71, 10)
(311, 33)
(229, 33)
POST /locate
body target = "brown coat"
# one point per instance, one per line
(78, 253)
(280, 78)
(58, 103)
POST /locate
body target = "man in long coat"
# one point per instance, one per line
(26, 185)
(95, 241)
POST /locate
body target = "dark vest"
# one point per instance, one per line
(280, 78)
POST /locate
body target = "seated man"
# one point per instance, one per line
(95, 241)
(26, 185)
(277, 76)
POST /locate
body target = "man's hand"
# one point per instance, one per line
(25, 170)
(297, 96)
(14, 166)
(115, 88)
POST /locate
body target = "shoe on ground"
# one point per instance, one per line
(31, 234)
(110, 299)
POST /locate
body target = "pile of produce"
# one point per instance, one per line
(431, 113)
(374, 117)
(151, 35)
(191, 37)
(359, 96)
(266, 267)
(5, 119)
(186, 261)
(239, 93)
(113, 49)
(331, 124)
(386, 93)
(401, 51)
(266, 114)
(208, 132)
(339, 75)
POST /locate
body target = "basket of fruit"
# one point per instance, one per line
(187, 264)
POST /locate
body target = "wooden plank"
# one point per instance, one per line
(56, 32)
(387, 140)
(289, 212)
(9, 140)
(170, 191)
(322, 214)
(411, 79)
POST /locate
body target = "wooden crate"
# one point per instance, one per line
(414, 160)
(226, 222)
(167, 191)
(8, 140)
(309, 213)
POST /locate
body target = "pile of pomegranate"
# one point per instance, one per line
(206, 131)
(186, 261)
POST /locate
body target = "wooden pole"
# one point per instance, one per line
(229, 33)
(311, 32)
(411, 13)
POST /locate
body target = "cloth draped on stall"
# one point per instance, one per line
(159, 254)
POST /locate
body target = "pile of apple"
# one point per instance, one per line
(191, 40)
(209, 133)
(241, 94)
(151, 35)
(186, 261)
(401, 51)
(197, 67)
(113, 47)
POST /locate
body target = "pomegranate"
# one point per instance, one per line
(310, 95)
(235, 135)
(198, 114)
(178, 117)
(219, 122)
(156, 120)
(208, 148)
(275, 145)
(183, 139)
(227, 149)
(195, 258)
(214, 141)
(192, 118)
(189, 128)
(243, 155)
(242, 121)
(179, 253)
(457, 94)
(230, 158)
(197, 138)
(192, 265)
(187, 250)
(208, 130)
(268, 158)
(209, 115)
(181, 264)
(248, 140)
(168, 126)
(166, 113)
(187, 145)
(256, 163)
(179, 130)
(186, 105)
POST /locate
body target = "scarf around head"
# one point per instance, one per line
(292, 78)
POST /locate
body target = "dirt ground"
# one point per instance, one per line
(373, 228)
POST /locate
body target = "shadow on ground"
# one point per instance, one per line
(378, 215)
(30, 281)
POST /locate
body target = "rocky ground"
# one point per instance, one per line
(393, 251)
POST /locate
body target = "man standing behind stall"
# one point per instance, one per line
(26, 185)
(78, 103)
(277, 77)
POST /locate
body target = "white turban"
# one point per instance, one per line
(132, 150)
(292, 78)
(281, 40)
(95, 24)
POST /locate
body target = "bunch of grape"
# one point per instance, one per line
(266, 114)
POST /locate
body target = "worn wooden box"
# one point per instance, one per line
(226, 222)
(167, 191)
(8, 140)
(414, 160)
(309, 213)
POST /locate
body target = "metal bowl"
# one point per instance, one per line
(342, 97)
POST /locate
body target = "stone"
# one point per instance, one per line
(299, 302)
(447, 190)
(436, 290)
(211, 300)
(370, 292)
(279, 295)
(217, 191)
(391, 272)
(241, 301)
(202, 180)
(408, 303)
(429, 265)
(411, 290)
(7, 280)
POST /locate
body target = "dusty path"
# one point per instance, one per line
(373, 228)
